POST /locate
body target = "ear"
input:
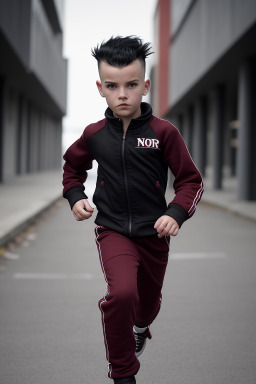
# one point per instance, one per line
(146, 87)
(99, 86)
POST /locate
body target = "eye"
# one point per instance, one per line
(111, 86)
(132, 85)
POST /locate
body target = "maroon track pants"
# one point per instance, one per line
(134, 270)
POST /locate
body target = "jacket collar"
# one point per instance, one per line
(146, 114)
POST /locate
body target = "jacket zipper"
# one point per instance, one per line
(126, 188)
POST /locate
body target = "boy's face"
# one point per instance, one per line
(123, 88)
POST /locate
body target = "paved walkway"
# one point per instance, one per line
(227, 199)
(50, 323)
(25, 197)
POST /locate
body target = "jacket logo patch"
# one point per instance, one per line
(143, 142)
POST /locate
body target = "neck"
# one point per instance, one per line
(126, 121)
(126, 124)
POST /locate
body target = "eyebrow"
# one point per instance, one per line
(113, 82)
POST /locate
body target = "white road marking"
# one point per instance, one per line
(90, 276)
(198, 255)
(55, 276)
(11, 256)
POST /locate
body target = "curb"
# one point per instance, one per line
(229, 208)
(20, 227)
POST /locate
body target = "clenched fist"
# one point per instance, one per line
(82, 210)
(166, 226)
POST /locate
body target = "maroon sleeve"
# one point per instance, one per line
(188, 183)
(78, 160)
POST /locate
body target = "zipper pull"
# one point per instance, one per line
(124, 134)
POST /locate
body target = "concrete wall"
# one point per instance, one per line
(10, 132)
(28, 31)
(15, 23)
(212, 88)
(210, 29)
(33, 86)
(31, 138)
(179, 9)
(46, 60)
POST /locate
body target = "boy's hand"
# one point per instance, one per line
(82, 210)
(166, 226)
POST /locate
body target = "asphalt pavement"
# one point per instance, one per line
(51, 281)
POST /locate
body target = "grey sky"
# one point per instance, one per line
(87, 23)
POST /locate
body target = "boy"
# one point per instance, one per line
(133, 149)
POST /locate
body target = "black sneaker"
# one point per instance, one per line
(125, 380)
(141, 339)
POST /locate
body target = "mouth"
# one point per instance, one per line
(123, 105)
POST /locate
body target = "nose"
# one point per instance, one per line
(122, 93)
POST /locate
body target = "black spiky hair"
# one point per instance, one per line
(121, 51)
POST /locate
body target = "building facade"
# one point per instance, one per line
(204, 82)
(33, 86)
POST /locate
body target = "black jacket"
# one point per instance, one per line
(132, 172)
